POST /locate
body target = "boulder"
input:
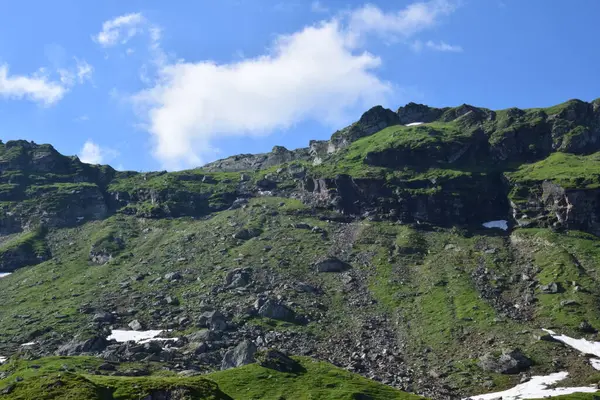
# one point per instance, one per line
(239, 277)
(247, 234)
(135, 325)
(94, 344)
(213, 320)
(173, 276)
(103, 317)
(332, 264)
(551, 288)
(275, 310)
(242, 354)
(275, 359)
(204, 336)
(509, 362)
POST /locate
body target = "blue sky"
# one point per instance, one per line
(148, 84)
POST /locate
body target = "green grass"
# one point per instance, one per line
(76, 378)
(566, 170)
(320, 381)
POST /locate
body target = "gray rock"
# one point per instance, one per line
(173, 276)
(213, 320)
(173, 301)
(135, 325)
(332, 265)
(92, 345)
(239, 277)
(275, 359)
(242, 354)
(551, 288)
(275, 310)
(103, 317)
(511, 362)
(244, 177)
(307, 288)
(586, 327)
(301, 225)
(247, 234)
(204, 336)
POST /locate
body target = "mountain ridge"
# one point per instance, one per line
(426, 257)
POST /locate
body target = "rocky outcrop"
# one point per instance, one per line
(278, 361)
(245, 162)
(374, 120)
(332, 265)
(242, 354)
(550, 205)
(75, 347)
(441, 203)
(509, 362)
(413, 112)
(27, 249)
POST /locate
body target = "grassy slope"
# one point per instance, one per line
(320, 381)
(80, 381)
(420, 278)
(567, 170)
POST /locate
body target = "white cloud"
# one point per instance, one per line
(443, 46)
(92, 153)
(81, 72)
(311, 74)
(409, 21)
(319, 73)
(318, 7)
(119, 30)
(82, 118)
(84, 70)
(418, 45)
(37, 87)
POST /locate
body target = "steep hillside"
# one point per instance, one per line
(425, 249)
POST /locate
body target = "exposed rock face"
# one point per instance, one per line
(413, 112)
(242, 354)
(374, 120)
(76, 347)
(244, 162)
(451, 205)
(511, 362)
(22, 254)
(559, 207)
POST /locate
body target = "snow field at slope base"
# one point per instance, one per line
(414, 124)
(536, 388)
(583, 345)
(4, 274)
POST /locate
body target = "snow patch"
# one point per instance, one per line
(4, 274)
(123, 336)
(536, 388)
(3, 360)
(500, 224)
(583, 345)
(28, 344)
(414, 124)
